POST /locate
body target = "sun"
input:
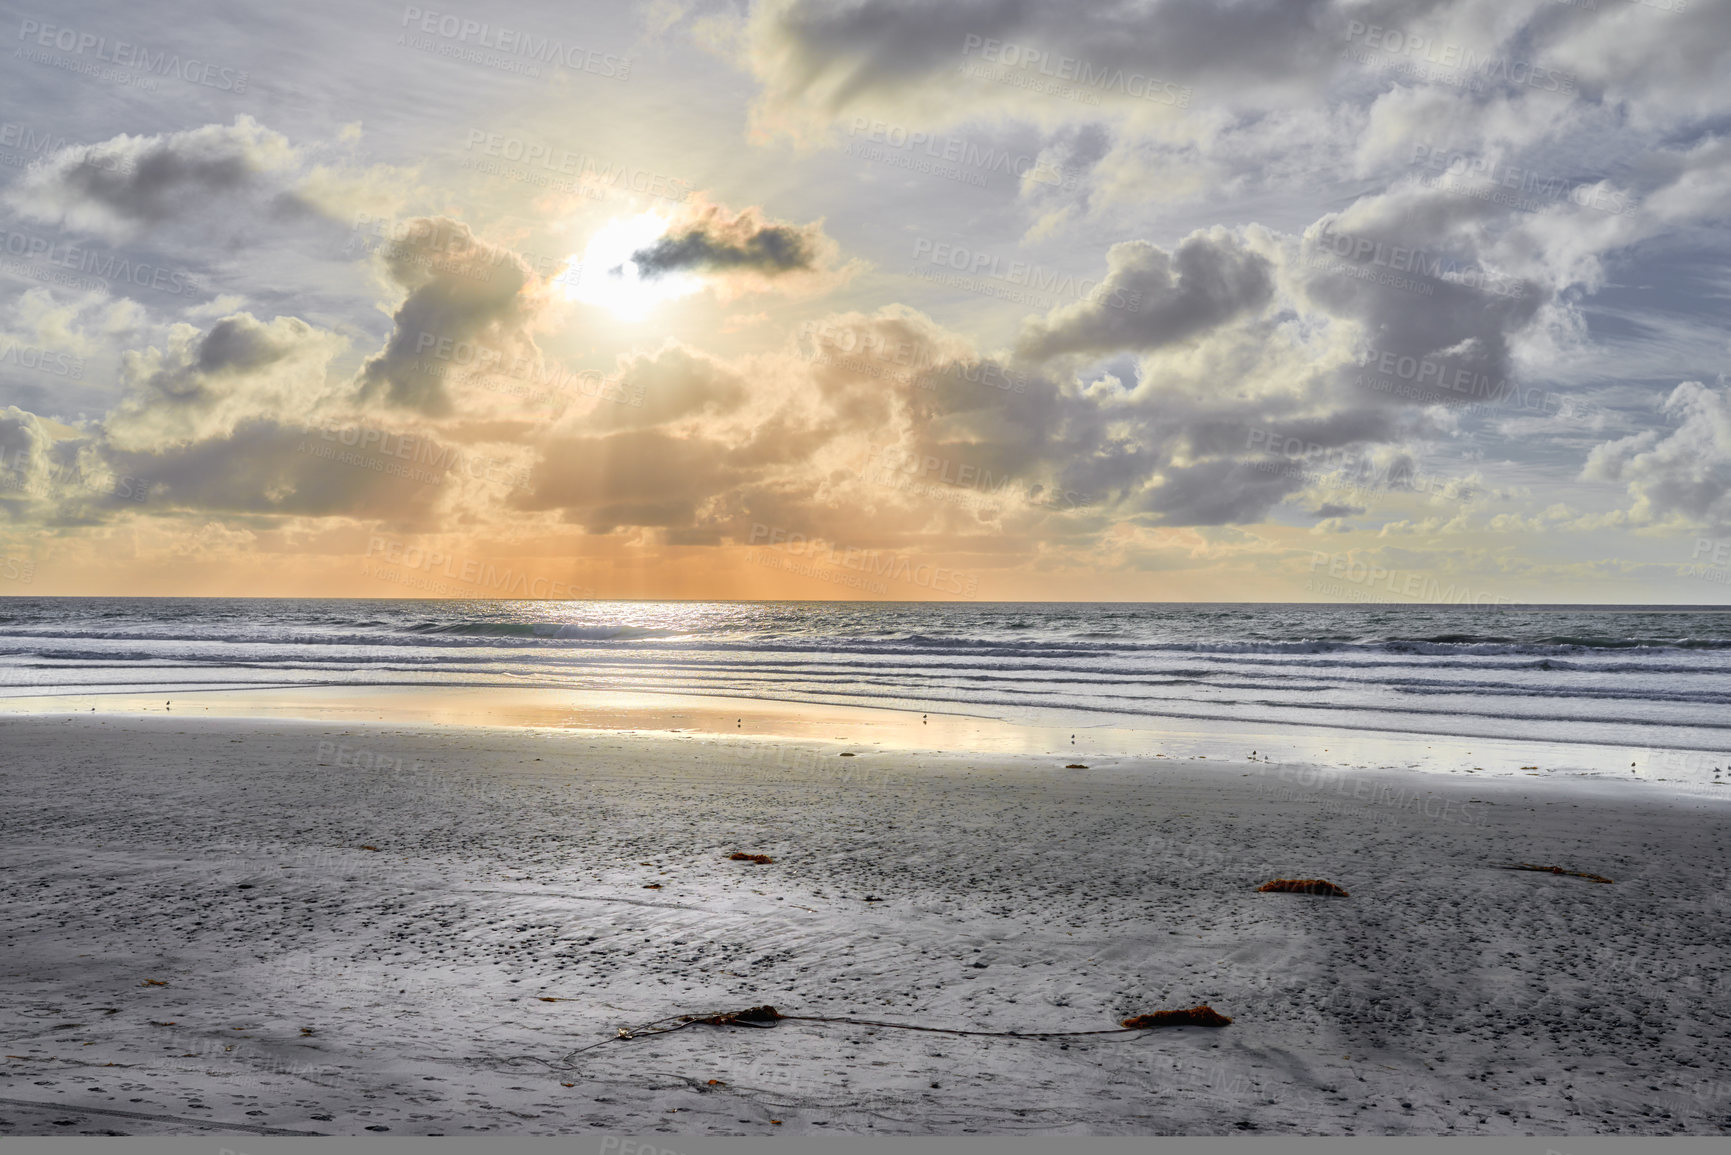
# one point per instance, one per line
(605, 275)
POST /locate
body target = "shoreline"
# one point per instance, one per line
(1685, 769)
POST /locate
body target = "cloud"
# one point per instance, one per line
(466, 299)
(640, 477)
(1151, 297)
(1682, 478)
(1167, 439)
(26, 448)
(1216, 211)
(1660, 62)
(127, 185)
(204, 384)
(715, 242)
(276, 467)
(1407, 270)
(818, 60)
(675, 384)
(1220, 491)
(1697, 190)
(745, 252)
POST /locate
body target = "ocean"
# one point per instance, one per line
(1655, 678)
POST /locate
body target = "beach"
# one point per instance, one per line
(229, 924)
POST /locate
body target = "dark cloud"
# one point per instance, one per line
(217, 179)
(1217, 492)
(236, 345)
(159, 182)
(267, 466)
(1408, 269)
(713, 242)
(468, 302)
(823, 57)
(1151, 297)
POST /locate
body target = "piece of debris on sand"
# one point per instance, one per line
(1303, 886)
(1556, 870)
(763, 1014)
(1198, 1016)
(742, 856)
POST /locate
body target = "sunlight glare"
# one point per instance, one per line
(604, 274)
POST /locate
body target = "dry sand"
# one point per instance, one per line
(193, 930)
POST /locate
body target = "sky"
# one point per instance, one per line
(1273, 300)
